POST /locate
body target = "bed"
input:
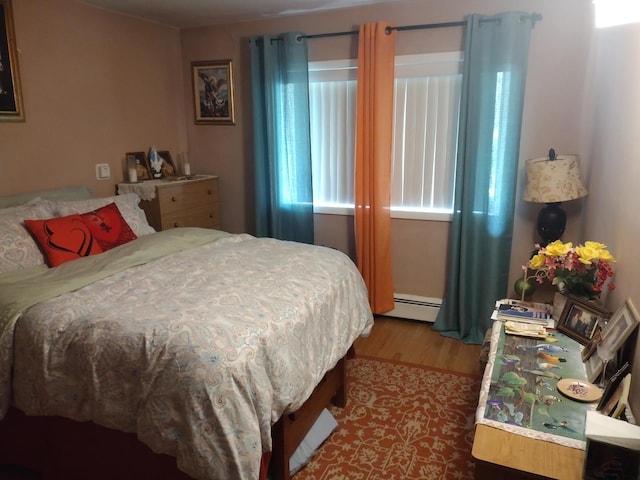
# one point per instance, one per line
(217, 351)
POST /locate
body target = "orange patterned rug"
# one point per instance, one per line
(403, 422)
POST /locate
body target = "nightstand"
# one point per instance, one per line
(178, 203)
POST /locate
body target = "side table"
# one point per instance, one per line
(506, 453)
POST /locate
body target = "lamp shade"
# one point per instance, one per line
(552, 181)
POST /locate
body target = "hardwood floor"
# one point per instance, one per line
(416, 342)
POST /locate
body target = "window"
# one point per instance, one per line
(427, 99)
(616, 12)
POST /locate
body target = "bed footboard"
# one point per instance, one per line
(60, 448)
(291, 429)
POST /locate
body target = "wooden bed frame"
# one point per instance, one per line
(62, 449)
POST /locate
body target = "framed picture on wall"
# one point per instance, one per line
(213, 92)
(11, 109)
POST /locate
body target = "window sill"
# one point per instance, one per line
(432, 216)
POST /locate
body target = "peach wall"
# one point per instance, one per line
(612, 206)
(553, 107)
(98, 84)
(95, 85)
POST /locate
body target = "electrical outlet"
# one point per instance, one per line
(103, 172)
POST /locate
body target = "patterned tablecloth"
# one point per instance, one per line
(519, 392)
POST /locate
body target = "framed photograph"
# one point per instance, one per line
(213, 92)
(164, 167)
(580, 320)
(591, 347)
(616, 403)
(622, 324)
(169, 169)
(142, 169)
(612, 386)
(11, 109)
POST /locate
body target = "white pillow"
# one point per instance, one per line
(18, 249)
(127, 204)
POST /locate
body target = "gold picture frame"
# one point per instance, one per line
(11, 109)
(213, 92)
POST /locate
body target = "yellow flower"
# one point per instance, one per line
(605, 256)
(587, 254)
(537, 261)
(557, 248)
(596, 245)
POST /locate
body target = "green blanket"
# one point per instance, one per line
(21, 289)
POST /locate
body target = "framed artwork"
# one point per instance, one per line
(591, 347)
(580, 320)
(213, 92)
(164, 167)
(169, 169)
(11, 109)
(622, 324)
(612, 386)
(142, 169)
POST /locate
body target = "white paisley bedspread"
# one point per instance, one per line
(197, 352)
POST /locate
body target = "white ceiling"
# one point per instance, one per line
(196, 13)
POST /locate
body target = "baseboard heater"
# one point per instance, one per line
(415, 307)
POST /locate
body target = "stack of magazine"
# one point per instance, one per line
(529, 319)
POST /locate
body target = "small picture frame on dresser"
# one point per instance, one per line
(166, 169)
(169, 169)
(142, 168)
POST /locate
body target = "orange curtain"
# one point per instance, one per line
(374, 134)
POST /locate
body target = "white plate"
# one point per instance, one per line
(580, 390)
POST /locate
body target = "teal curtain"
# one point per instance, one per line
(495, 64)
(282, 147)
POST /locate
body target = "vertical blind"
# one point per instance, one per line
(427, 99)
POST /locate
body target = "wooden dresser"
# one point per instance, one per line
(183, 203)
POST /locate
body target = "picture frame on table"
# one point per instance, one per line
(580, 319)
(169, 169)
(213, 96)
(11, 108)
(619, 327)
(165, 169)
(619, 399)
(612, 385)
(142, 167)
(591, 347)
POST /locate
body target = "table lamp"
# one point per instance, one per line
(553, 180)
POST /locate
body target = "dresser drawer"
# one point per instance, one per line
(191, 203)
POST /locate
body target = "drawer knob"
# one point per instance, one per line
(175, 224)
(209, 192)
(173, 199)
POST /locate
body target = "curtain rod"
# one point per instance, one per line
(388, 29)
(533, 17)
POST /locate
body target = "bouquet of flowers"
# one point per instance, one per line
(581, 270)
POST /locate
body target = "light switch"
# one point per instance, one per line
(103, 172)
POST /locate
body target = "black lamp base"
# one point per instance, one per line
(551, 223)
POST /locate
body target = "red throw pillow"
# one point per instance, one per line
(67, 238)
(108, 227)
(63, 238)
